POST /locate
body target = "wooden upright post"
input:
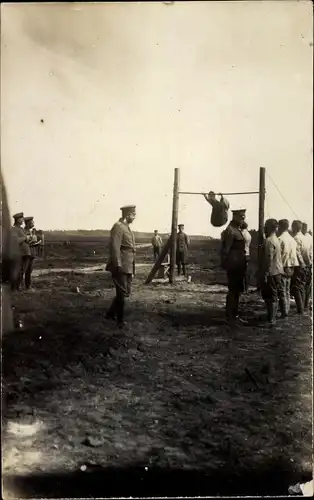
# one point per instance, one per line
(261, 213)
(158, 262)
(174, 225)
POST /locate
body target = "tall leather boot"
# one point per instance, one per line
(268, 304)
(273, 312)
(236, 305)
(299, 302)
(230, 307)
(307, 297)
(283, 307)
(120, 311)
(288, 303)
(111, 313)
(179, 269)
(183, 269)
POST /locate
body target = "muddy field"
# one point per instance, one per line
(178, 404)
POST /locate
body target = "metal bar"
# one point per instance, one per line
(224, 194)
(174, 224)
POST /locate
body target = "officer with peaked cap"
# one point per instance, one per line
(121, 262)
(234, 261)
(33, 245)
(19, 236)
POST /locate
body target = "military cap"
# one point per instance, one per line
(128, 209)
(181, 225)
(240, 211)
(27, 219)
(18, 216)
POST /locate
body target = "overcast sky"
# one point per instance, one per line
(100, 102)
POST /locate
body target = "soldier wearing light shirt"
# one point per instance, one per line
(309, 257)
(247, 246)
(272, 269)
(289, 261)
(156, 244)
(299, 278)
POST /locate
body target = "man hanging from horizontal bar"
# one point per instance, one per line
(219, 215)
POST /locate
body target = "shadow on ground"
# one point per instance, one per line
(273, 479)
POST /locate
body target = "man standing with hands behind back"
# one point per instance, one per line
(121, 262)
(234, 261)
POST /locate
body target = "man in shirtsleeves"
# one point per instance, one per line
(121, 262)
(289, 259)
(309, 251)
(156, 244)
(272, 272)
(234, 261)
(299, 278)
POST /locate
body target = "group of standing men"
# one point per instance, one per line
(27, 244)
(183, 243)
(285, 266)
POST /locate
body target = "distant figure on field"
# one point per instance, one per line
(308, 264)
(272, 270)
(289, 259)
(183, 243)
(219, 215)
(121, 262)
(156, 244)
(234, 260)
(41, 242)
(18, 234)
(33, 245)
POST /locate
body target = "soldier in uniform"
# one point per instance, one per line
(299, 277)
(183, 243)
(18, 264)
(234, 261)
(156, 244)
(33, 245)
(41, 242)
(121, 262)
(272, 272)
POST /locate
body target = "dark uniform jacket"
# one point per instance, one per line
(182, 243)
(121, 248)
(18, 234)
(33, 242)
(233, 248)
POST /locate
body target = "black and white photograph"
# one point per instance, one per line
(156, 249)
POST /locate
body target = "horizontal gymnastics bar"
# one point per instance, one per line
(225, 194)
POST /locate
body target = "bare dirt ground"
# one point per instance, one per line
(178, 404)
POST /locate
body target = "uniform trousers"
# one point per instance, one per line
(122, 282)
(181, 261)
(308, 285)
(236, 286)
(298, 284)
(156, 251)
